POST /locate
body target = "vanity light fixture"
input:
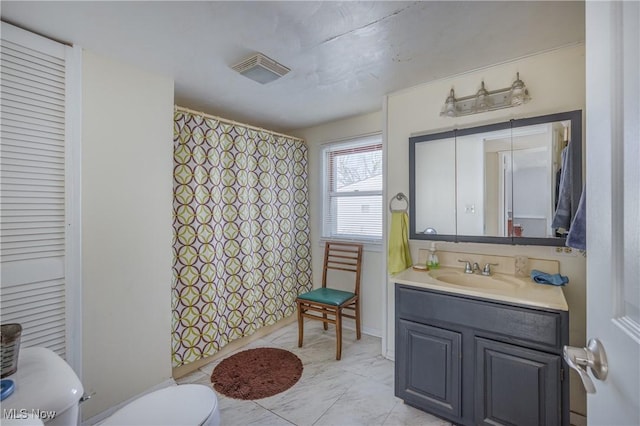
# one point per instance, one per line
(484, 100)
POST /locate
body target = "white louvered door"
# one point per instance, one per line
(32, 188)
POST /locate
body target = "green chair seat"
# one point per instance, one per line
(327, 296)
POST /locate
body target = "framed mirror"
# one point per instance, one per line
(515, 182)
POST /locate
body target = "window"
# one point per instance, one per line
(352, 195)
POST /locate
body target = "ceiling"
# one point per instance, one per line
(344, 56)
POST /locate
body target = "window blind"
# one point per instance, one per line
(32, 187)
(353, 190)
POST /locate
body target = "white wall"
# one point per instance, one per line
(126, 230)
(556, 81)
(373, 261)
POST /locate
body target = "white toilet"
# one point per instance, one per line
(45, 383)
(176, 405)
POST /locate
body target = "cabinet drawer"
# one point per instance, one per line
(527, 326)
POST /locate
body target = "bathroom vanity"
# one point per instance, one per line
(481, 350)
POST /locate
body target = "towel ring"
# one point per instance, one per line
(400, 197)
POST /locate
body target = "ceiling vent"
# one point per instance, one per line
(261, 69)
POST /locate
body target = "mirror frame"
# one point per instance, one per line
(576, 157)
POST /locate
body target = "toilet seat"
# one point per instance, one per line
(173, 406)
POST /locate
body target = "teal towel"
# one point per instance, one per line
(544, 278)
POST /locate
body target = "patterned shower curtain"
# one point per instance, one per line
(241, 232)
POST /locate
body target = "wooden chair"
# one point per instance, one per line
(331, 302)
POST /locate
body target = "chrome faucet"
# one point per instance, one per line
(486, 271)
(468, 269)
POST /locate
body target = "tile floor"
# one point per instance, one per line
(357, 390)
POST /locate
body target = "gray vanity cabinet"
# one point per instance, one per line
(516, 386)
(473, 361)
(435, 384)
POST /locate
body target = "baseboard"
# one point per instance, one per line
(390, 355)
(372, 332)
(98, 418)
(366, 330)
(183, 370)
(577, 419)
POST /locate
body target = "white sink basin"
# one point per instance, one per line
(459, 278)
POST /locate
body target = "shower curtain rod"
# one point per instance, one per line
(236, 123)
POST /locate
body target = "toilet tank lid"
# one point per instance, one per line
(44, 382)
(172, 406)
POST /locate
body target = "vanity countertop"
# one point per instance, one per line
(524, 291)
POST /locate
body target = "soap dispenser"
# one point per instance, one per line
(433, 261)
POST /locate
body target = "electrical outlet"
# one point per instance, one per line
(565, 251)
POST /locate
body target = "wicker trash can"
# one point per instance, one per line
(10, 346)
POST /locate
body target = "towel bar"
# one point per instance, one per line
(400, 197)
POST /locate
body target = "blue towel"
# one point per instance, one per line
(577, 237)
(564, 209)
(544, 278)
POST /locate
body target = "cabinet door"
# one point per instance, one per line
(428, 369)
(516, 386)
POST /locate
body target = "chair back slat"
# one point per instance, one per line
(350, 265)
(343, 257)
(335, 268)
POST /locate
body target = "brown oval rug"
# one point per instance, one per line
(256, 373)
